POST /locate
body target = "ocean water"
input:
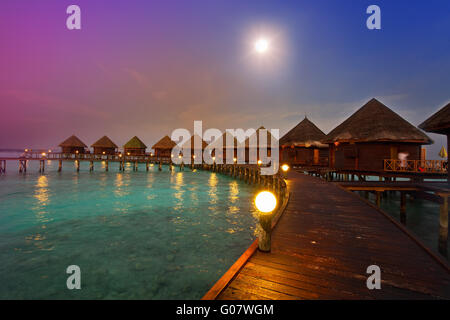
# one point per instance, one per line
(134, 235)
(422, 217)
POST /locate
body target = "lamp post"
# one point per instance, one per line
(265, 202)
(285, 169)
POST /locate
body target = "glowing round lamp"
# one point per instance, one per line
(285, 167)
(234, 159)
(265, 201)
(259, 162)
(43, 154)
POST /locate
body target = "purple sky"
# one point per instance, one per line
(147, 67)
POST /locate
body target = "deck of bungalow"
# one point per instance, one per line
(322, 246)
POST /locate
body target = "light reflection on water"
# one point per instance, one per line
(134, 234)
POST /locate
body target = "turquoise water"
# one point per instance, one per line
(422, 217)
(135, 235)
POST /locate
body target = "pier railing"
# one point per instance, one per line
(93, 157)
(425, 166)
(251, 174)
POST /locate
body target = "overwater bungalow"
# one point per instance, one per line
(73, 145)
(134, 147)
(190, 143)
(302, 145)
(163, 147)
(104, 145)
(259, 144)
(371, 135)
(226, 141)
(439, 123)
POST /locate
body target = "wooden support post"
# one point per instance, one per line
(107, 165)
(91, 166)
(160, 166)
(77, 164)
(265, 235)
(147, 166)
(443, 226)
(2, 166)
(41, 166)
(403, 207)
(59, 165)
(378, 198)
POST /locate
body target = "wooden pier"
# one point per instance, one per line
(322, 246)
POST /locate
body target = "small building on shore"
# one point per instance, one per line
(104, 145)
(73, 145)
(302, 145)
(134, 147)
(439, 123)
(163, 147)
(371, 135)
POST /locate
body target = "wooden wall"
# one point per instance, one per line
(369, 156)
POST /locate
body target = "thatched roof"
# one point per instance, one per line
(374, 122)
(135, 143)
(191, 141)
(104, 142)
(304, 134)
(164, 143)
(268, 141)
(73, 141)
(438, 122)
(222, 140)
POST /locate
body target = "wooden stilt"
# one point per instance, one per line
(443, 226)
(2, 166)
(91, 166)
(378, 198)
(59, 165)
(403, 207)
(160, 166)
(147, 166)
(77, 164)
(107, 166)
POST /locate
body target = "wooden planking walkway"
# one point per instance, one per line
(324, 242)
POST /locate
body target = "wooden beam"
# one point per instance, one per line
(443, 226)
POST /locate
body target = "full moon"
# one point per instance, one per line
(261, 45)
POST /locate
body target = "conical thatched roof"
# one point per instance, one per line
(438, 122)
(304, 134)
(73, 141)
(191, 141)
(222, 140)
(104, 142)
(135, 143)
(248, 141)
(375, 122)
(164, 143)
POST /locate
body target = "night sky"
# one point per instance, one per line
(147, 67)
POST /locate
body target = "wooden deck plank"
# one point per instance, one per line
(322, 246)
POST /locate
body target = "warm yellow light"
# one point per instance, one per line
(193, 156)
(49, 150)
(265, 201)
(26, 150)
(128, 153)
(261, 45)
(76, 151)
(234, 159)
(103, 152)
(259, 162)
(120, 155)
(285, 167)
(171, 155)
(179, 157)
(214, 158)
(43, 154)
